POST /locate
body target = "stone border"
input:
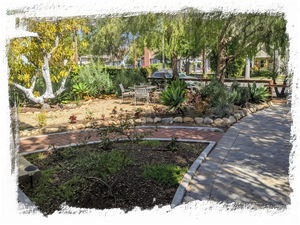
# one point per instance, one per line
(180, 192)
(206, 121)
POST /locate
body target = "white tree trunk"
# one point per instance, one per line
(247, 69)
(46, 75)
(47, 78)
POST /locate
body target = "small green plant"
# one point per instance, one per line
(172, 146)
(150, 143)
(42, 119)
(89, 116)
(102, 166)
(258, 94)
(80, 90)
(167, 174)
(174, 95)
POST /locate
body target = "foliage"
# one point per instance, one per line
(219, 98)
(97, 80)
(42, 119)
(167, 174)
(150, 143)
(261, 73)
(172, 146)
(235, 67)
(102, 164)
(242, 94)
(174, 95)
(80, 90)
(258, 94)
(43, 63)
(223, 105)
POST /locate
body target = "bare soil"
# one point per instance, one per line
(93, 109)
(132, 188)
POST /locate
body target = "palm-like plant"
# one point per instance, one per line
(174, 95)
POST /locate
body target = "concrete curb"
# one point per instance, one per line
(205, 129)
(180, 192)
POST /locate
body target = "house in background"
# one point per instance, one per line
(148, 58)
(262, 61)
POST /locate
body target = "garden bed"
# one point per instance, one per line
(141, 174)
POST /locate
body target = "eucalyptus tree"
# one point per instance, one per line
(47, 59)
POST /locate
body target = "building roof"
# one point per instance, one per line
(262, 55)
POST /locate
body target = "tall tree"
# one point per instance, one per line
(109, 39)
(244, 31)
(31, 58)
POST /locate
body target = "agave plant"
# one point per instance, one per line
(174, 95)
(258, 94)
(80, 89)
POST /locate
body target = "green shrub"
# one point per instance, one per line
(80, 90)
(236, 67)
(261, 73)
(150, 143)
(42, 119)
(223, 105)
(220, 99)
(96, 79)
(258, 94)
(169, 175)
(102, 164)
(242, 94)
(174, 95)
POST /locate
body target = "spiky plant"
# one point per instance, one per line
(174, 95)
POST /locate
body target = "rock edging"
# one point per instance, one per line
(204, 121)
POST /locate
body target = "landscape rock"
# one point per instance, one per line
(199, 120)
(232, 119)
(237, 116)
(143, 120)
(188, 119)
(80, 126)
(208, 120)
(178, 119)
(219, 122)
(167, 120)
(227, 121)
(157, 120)
(260, 106)
(246, 113)
(51, 130)
(149, 120)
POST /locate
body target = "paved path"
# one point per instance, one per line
(250, 164)
(42, 142)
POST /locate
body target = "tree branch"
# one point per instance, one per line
(54, 48)
(61, 88)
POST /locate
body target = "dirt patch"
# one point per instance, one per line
(92, 110)
(132, 189)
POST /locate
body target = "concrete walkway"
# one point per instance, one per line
(250, 164)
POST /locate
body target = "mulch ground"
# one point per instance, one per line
(132, 189)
